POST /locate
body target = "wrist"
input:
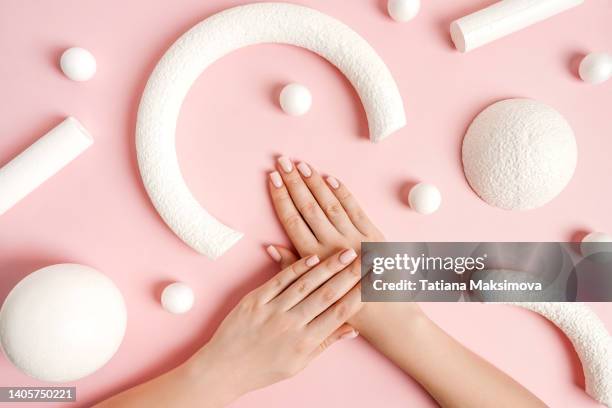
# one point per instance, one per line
(373, 315)
(209, 380)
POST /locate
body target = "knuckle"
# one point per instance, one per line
(328, 295)
(278, 282)
(334, 209)
(292, 221)
(249, 304)
(343, 194)
(359, 215)
(342, 311)
(303, 286)
(294, 181)
(309, 209)
(283, 322)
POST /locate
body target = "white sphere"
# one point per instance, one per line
(62, 322)
(424, 198)
(78, 64)
(177, 298)
(403, 10)
(295, 99)
(596, 68)
(519, 154)
(595, 242)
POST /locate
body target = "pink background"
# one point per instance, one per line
(96, 211)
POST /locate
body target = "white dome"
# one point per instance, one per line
(62, 322)
(519, 154)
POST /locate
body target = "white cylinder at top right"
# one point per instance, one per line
(503, 18)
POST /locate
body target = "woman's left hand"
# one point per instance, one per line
(318, 215)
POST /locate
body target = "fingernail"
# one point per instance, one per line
(273, 252)
(312, 261)
(276, 179)
(304, 169)
(350, 335)
(285, 164)
(333, 182)
(347, 256)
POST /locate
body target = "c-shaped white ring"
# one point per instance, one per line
(210, 40)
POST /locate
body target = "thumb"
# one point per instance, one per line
(344, 332)
(282, 255)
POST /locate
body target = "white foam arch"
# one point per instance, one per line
(210, 40)
(590, 339)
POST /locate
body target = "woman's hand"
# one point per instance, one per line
(318, 215)
(277, 329)
(273, 333)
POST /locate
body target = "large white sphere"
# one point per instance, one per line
(424, 198)
(596, 68)
(295, 99)
(62, 322)
(78, 64)
(519, 154)
(177, 298)
(403, 10)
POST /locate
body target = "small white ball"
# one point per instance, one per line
(295, 99)
(424, 198)
(403, 10)
(596, 68)
(595, 242)
(177, 298)
(62, 322)
(78, 64)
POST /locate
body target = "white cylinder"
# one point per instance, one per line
(503, 18)
(41, 160)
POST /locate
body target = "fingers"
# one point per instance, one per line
(285, 257)
(309, 282)
(358, 217)
(303, 199)
(284, 278)
(344, 332)
(299, 233)
(326, 199)
(329, 293)
(335, 316)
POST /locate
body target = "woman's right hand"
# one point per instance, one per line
(277, 329)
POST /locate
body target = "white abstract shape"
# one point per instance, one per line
(519, 154)
(590, 339)
(214, 38)
(62, 322)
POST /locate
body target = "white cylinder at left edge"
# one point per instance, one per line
(41, 160)
(503, 18)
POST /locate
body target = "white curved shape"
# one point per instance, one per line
(62, 322)
(590, 339)
(210, 40)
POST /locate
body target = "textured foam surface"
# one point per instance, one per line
(519, 154)
(62, 322)
(210, 40)
(590, 339)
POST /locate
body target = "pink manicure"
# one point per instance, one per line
(347, 256)
(312, 261)
(333, 182)
(276, 179)
(285, 164)
(273, 252)
(304, 169)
